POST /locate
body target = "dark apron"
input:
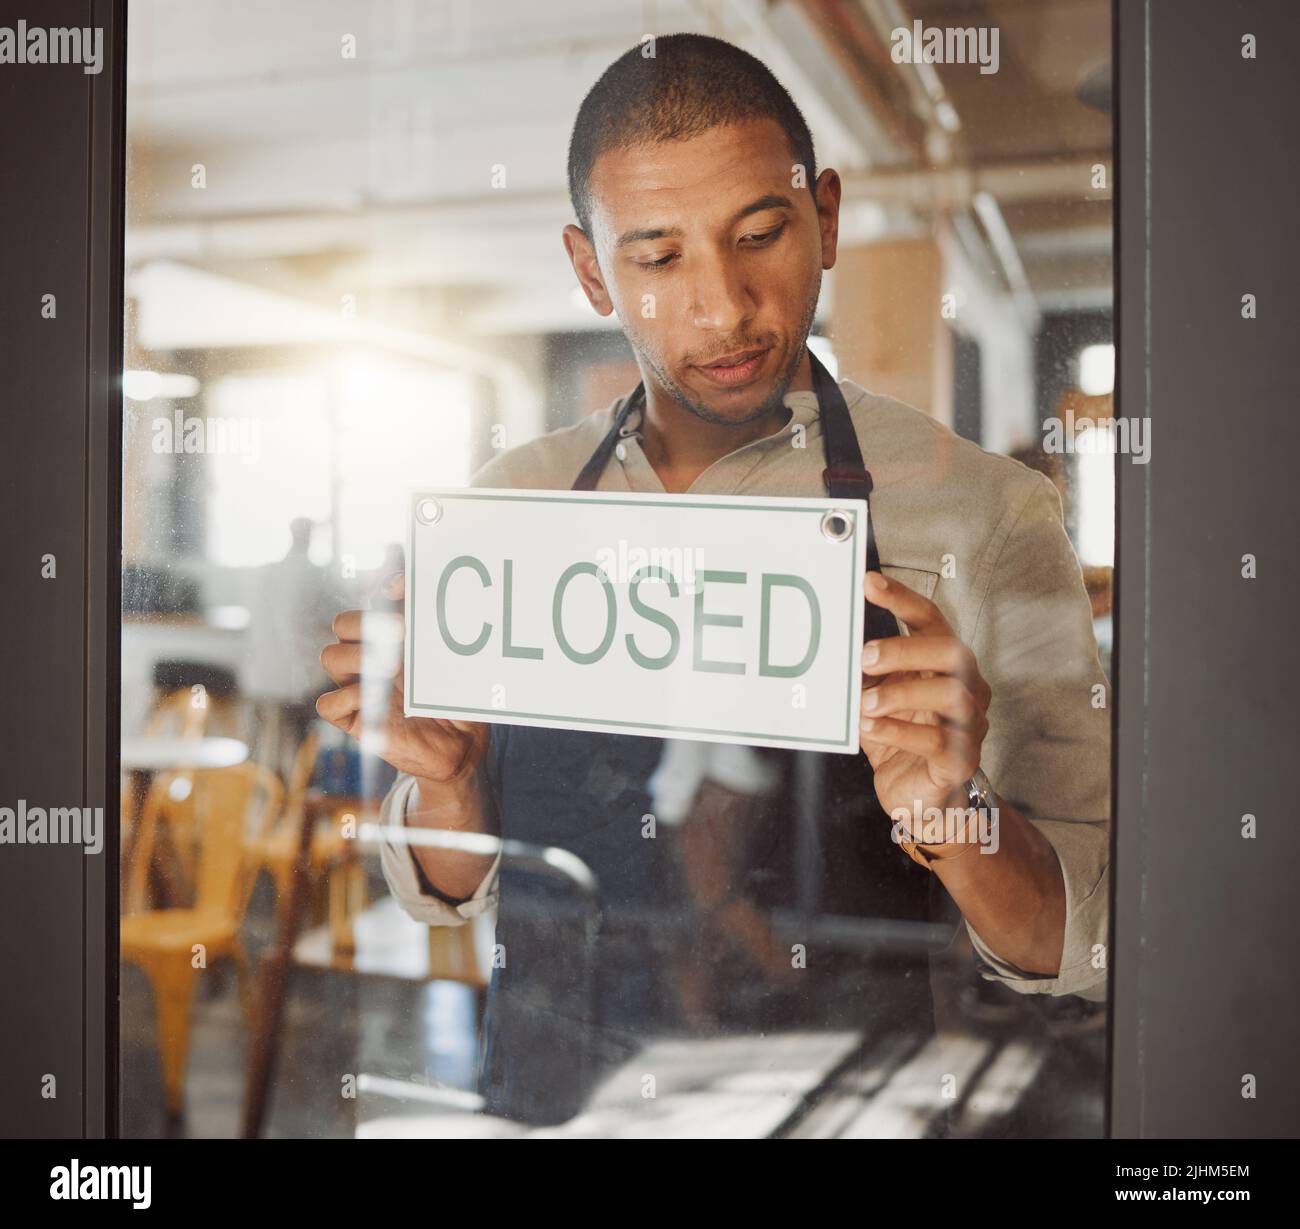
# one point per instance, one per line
(578, 997)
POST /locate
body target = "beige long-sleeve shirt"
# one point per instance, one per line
(979, 534)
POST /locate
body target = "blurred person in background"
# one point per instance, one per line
(291, 603)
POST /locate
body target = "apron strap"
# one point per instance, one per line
(591, 472)
(847, 477)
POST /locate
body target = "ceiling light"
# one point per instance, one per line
(148, 385)
(1097, 370)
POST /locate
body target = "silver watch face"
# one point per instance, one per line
(978, 788)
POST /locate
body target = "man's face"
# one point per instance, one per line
(712, 257)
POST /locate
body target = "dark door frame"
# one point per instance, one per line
(1205, 953)
(62, 157)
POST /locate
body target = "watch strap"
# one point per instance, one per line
(979, 795)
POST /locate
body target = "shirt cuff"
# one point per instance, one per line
(1082, 849)
(405, 879)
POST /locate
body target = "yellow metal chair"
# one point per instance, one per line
(205, 814)
(274, 846)
(172, 713)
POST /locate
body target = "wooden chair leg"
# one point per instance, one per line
(347, 899)
(244, 980)
(282, 876)
(173, 979)
(274, 982)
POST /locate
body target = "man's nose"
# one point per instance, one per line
(721, 301)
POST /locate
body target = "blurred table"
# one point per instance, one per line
(147, 753)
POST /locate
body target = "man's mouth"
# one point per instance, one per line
(734, 369)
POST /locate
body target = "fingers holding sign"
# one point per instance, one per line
(924, 701)
(368, 667)
(365, 663)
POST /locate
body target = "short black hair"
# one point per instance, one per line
(676, 88)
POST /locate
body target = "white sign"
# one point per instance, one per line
(721, 618)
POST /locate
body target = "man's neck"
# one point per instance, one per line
(680, 445)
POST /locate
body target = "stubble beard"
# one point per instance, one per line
(773, 402)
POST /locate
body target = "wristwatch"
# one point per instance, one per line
(980, 797)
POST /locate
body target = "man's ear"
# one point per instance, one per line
(582, 255)
(826, 195)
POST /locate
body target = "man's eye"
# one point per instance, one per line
(657, 264)
(765, 237)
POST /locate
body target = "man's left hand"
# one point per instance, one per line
(924, 705)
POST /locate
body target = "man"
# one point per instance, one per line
(704, 226)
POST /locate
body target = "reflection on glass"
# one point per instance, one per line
(346, 281)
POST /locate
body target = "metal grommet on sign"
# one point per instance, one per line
(428, 510)
(837, 525)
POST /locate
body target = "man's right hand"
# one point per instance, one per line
(368, 665)
(443, 756)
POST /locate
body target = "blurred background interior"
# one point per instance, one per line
(344, 279)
